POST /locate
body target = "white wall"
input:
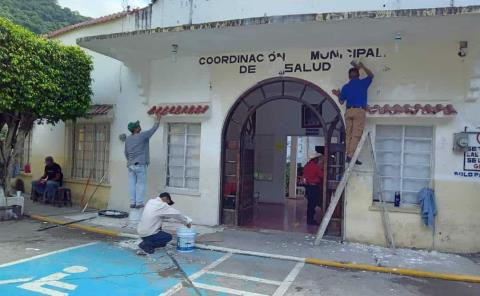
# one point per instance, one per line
(456, 197)
(174, 12)
(419, 72)
(169, 85)
(106, 86)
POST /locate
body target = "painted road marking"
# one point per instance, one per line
(196, 275)
(245, 277)
(226, 290)
(53, 280)
(99, 269)
(46, 254)
(283, 286)
(289, 280)
(103, 269)
(15, 281)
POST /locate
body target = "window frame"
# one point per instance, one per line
(26, 154)
(184, 189)
(402, 161)
(72, 152)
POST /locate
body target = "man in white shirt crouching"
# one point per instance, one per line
(150, 227)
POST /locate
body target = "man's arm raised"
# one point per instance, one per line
(364, 68)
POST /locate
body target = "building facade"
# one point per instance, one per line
(235, 81)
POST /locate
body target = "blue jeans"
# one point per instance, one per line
(157, 240)
(49, 188)
(137, 179)
(313, 193)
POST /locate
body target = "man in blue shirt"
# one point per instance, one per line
(355, 93)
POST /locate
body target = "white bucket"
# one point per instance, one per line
(135, 215)
(185, 239)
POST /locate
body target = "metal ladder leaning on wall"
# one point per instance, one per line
(341, 187)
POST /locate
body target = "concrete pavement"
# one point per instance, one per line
(111, 265)
(292, 244)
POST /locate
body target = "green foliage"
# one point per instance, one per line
(39, 16)
(42, 78)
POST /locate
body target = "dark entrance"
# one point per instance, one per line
(238, 198)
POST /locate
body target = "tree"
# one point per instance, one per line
(40, 81)
(39, 16)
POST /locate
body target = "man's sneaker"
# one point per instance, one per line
(141, 253)
(145, 248)
(313, 222)
(132, 206)
(139, 206)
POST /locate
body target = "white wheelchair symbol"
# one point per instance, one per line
(52, 280)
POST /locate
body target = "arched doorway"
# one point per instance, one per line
(308, 106)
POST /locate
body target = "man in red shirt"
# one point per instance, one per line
(313, 175)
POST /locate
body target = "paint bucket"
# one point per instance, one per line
(185, 239)
(135, 215)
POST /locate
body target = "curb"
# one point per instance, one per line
(394, 270)
(354, 266)
(92, 229)
(313, 261)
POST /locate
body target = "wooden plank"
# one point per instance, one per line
(338, 193)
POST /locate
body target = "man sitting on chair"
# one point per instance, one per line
(49, 182)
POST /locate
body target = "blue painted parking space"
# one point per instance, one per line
(100, 269)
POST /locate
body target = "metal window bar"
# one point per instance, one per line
(402, 161)
(29, 148)
(170, 177)
(377, 178)
(90, 151)
(72, 149)
(24, 157)
(185, 156)
(92, 165)
(186, 148)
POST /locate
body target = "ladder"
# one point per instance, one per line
(341, 187)
(384, 210)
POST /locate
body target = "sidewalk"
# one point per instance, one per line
(297, 244)
(288, 244)
(124, 225)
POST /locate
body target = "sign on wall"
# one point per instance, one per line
(471, 160)
(314, 61)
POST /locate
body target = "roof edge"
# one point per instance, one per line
(91, 22)
(299, 18)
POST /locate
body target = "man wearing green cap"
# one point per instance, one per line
(138, 157)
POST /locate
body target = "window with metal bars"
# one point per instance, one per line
(90, 151)
(404, 160)
(183, 158)
(24, 156)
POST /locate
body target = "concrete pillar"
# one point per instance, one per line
(292, 188)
